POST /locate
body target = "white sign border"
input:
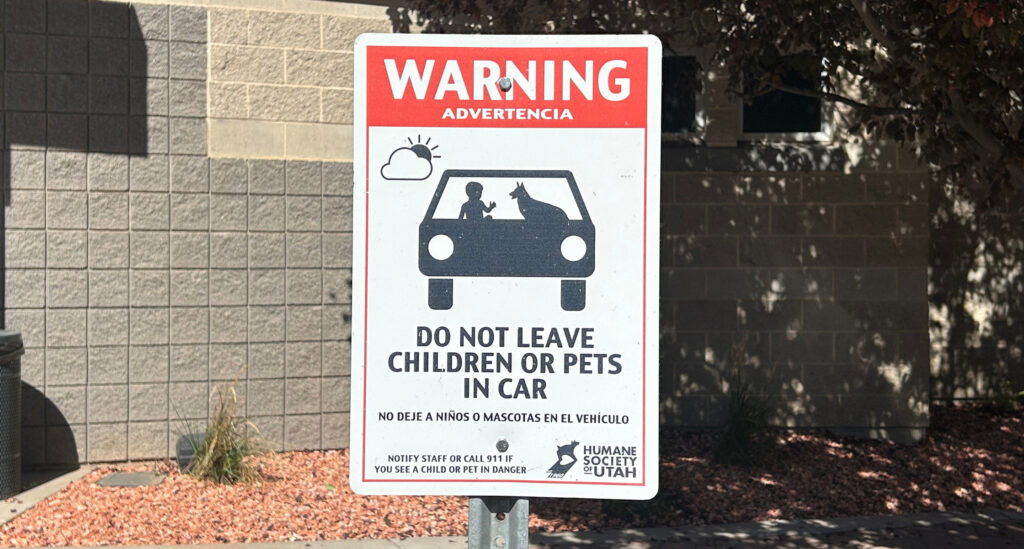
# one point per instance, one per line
(647, 488)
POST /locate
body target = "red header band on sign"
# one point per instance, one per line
(546, 87)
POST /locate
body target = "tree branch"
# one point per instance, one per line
(881, 111)
(867, 15)
(989, 143)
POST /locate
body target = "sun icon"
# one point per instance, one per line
(422, 150)
(414, 162)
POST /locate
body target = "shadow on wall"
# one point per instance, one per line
(821, 272)
(53, 447)
(977, 295)
(75, 98)
(816, 276)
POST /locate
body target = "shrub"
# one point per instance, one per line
(746, 416)
(223, 455)
(1006, 400)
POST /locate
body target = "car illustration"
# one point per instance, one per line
(507, 223)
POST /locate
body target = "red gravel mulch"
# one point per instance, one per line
(971, 459)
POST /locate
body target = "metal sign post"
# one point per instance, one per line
(498, 522)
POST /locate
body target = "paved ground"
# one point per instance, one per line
(988, 529)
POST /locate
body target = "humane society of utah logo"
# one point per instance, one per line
(599, 461)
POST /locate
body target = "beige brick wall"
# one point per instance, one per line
(280, 82)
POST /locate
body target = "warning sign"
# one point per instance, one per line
(505, 265)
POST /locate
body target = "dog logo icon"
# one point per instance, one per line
(566, 459)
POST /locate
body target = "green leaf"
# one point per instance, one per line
(330, 487)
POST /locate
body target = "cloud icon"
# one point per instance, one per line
(408, 164)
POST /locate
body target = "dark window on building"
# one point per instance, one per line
(783, 112)
(680, 86)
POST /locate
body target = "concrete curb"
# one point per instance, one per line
(29, 498)
(769, 530)
(659, 537)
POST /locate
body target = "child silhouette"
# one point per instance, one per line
(474, 208)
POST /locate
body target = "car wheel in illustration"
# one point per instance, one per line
(574, 295)
(439, 294)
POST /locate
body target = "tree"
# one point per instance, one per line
(942, 76)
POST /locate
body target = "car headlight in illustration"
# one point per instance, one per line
(574, 248)
(441, 247)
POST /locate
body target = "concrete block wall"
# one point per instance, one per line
(976, 300)
(798, 269)
(281, 80)
(810, 286)
(144, 272)
(177, 210)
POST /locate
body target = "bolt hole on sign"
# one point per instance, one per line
(505, 266)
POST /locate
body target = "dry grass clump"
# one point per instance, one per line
(229, 441)
(746, 417)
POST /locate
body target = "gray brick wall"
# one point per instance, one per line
(131, 322)
(819, 276)
(141, 272)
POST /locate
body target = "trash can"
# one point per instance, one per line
(10, 413)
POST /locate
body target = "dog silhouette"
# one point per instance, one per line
(535, 211)
(568, 450)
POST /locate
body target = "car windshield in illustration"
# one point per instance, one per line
(507, 223)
